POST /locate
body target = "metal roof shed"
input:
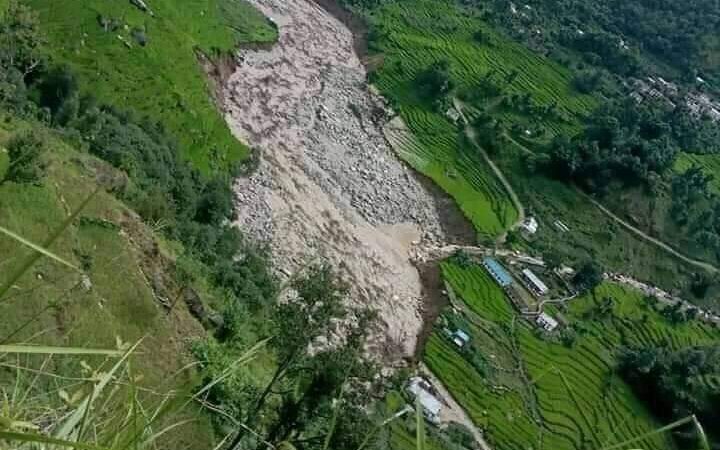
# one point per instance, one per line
(536, 282)
(498, 272)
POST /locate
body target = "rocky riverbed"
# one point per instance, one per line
(328, 185)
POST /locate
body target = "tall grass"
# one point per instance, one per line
(102, 407)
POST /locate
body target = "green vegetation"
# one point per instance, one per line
(627, 38)
(539, 121)
(130, 59)
(54, 305)
(676, 383)
(542, 391)
(413, 37)
(710, 165)
(175, 274)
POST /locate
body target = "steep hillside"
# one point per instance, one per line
(129, 288)
(148, 61)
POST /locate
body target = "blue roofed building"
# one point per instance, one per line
(498, 272)
(460, 338)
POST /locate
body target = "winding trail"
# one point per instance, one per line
(629, 227)
(658, 243)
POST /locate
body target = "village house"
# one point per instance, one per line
(534, 283)
(529, 225)
(422, 391)
(460, 338)
(546, 322)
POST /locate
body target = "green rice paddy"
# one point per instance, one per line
(537, 393)
(710, 164)
(413, 35)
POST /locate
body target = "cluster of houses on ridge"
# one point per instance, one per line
(657, 88)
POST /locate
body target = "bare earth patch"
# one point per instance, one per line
(328, 185)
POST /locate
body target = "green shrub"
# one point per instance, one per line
(24, 158)
(4, 163)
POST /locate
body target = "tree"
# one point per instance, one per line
(589, 276)
(299, 323)
(24, 153)
(588, 81)
(670, 381)
(435, 81)
(568, 336)
(20, 39)
(59, 91)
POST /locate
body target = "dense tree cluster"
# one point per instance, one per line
(320, 386)
(674, 383)
(628, 142)
(588, 276)
(318, 392)
(616, 33)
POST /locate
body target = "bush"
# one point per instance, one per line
(461, 435)
(58, 87)
(140, 36)
(4, 164)
(24, 159)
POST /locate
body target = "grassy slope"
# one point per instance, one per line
(579, 401)
(120, 302)
(416, 34)
(592, 235)
(710, 164)
(163, 79)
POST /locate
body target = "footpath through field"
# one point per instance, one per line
(470, 133)
(700, 264)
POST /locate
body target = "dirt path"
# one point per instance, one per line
(648, 238)
(328, 185)
(470, 132)
(453, 412)
(636, 231)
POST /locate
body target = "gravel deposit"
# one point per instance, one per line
(328, 185)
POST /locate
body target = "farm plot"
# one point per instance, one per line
(710, 164)
(537, 392)
(411, 36)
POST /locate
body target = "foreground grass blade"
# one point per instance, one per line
(40, 439)
(4, 288)
(420, 444)
(46, 350)
(244, 359)
(672, 426)
(37, 248)
(701, 431)
(67, 429)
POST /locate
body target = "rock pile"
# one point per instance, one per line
(328, 185)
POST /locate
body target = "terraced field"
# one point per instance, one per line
(410, 37)
(535, 392)
(439, 153)
(710, 164)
